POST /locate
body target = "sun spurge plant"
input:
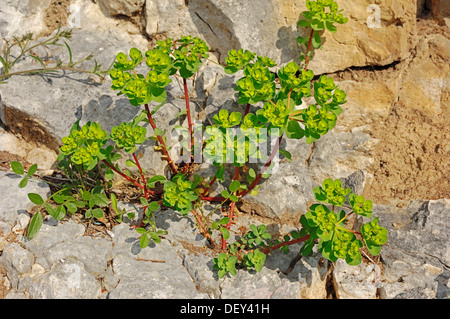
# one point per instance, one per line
(90, 157)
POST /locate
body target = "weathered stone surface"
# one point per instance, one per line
(16, 261)
(15, 202)
(153, 272)
(121, 7)
(271, 29)
(51, 234)
(356, 282)
(67, 279)
(415, 264)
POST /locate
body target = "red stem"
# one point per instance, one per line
(308, 49)
(291, 242)
(212, 198)
(122, 174)
(203, 230)
(188, 114)
(145, 184)
(160, 140)
(269, 161)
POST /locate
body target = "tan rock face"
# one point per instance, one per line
(270, 28)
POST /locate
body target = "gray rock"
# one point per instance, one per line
(160, 268)
(415, 261)
(67, 279)
(16, 261)
(94, 253)
(15, 202)
(356, 282)
(50, 235)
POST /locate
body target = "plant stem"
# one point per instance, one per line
(308, 49)
(46, 70)
(188, 114)
(202, 227)
(123, 175)
(269, 161)
(213, 198)
(144, 182)
(230, 215)
(286, 243)
(160, 140)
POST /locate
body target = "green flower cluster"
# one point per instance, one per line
(335, 240)
(237, 60)
(374, 236)
(179, 194)
(258, 82)
(298, 82)
(344, 246)
(230, 145)
(331, 192)
(127, 135)
(224, 119)
(122, 62)
(327, 94)
(322, 14)
(83, 144)
(189, 55)
(324, 220)
(360, 206)
(276, 114)
(257, 85)
(139, 89)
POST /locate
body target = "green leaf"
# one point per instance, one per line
(36, 198)
(144, 241)
(59, 213)
(23, 182)
(35, 225)
(32, 170)
(152, 181)
(144, 201)
(234, 186)
(304, 23)
(224, 221)
(330, 26)
(141, 230)
(225, 232)
(70, 53)
(225, 193)
(98, 200)
(153, 206)
(286, 154)
(234, 198)
(114, 203)
(39, 60)
(98, 213)
(316, 41)
(293, 130)
(130, 163)
(17, 168)
(155, 237)
(71, 207)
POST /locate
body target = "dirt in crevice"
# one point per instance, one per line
(56, 14)
(411, 160)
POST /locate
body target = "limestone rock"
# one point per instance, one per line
(67, 279)
(121, 7)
